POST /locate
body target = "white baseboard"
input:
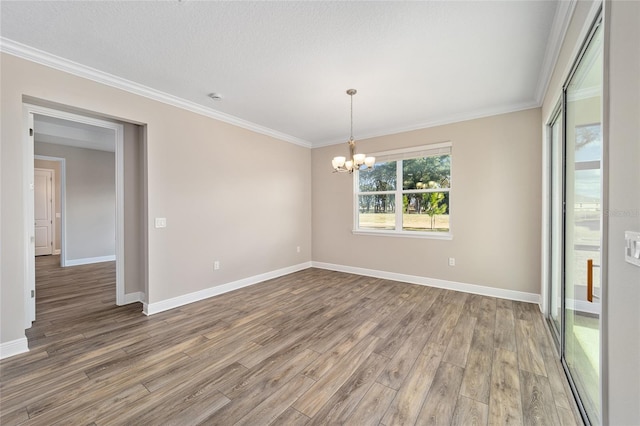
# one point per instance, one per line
(14, 347)
(88, 260)
(434, 282)
(134, 297)
(164, 305)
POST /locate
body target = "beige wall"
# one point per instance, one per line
(90, 200)
(621, 331)
(55, 166)
(228, 194)
(495, 214)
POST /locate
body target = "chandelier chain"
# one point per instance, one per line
(351, 117)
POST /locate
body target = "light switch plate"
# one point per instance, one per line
(632, 247)
(161, 222)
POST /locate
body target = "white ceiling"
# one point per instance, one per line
(285, 66)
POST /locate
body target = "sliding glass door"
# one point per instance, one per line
(556, 250)
(576, 216)
(583, 225)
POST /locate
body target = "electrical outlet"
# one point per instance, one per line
(216, 265)
(632, 247)
(298, 249)
(452, 261)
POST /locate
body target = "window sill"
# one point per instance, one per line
(405, 234)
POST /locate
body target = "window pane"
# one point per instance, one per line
(588, 143)
(381, 178)
(426, 172)
(426, 212)
(377, 211)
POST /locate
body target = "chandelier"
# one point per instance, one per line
(355, 161)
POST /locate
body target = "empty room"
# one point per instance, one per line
(320, 212)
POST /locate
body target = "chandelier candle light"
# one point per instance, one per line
(341, 164)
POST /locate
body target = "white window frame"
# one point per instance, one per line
(398, 155)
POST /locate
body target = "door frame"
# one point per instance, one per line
(547, 149)
(29, 110)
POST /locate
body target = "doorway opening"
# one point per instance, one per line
(111, 246)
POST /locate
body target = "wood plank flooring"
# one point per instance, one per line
(313, 347)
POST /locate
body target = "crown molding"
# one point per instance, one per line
(29, 53)
(449, 119)
(559, 28)
(584, 93)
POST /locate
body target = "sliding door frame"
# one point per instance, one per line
(557, 114)
(598, 17)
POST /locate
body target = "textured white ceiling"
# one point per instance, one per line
(286, 65)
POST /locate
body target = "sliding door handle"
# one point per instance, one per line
(590, 280)
(590, 266)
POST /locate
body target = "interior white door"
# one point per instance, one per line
(43, 211)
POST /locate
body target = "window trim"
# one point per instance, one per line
(398, 155)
